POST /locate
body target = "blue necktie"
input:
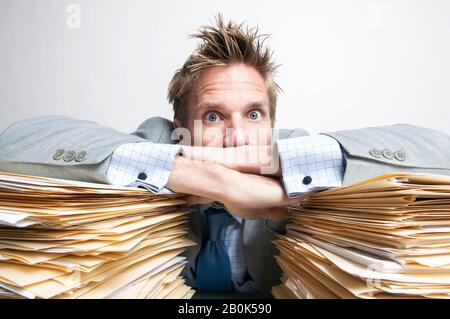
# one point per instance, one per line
(213, 263)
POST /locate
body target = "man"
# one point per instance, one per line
(225, 96)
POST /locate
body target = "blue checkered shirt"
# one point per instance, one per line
(318, 157)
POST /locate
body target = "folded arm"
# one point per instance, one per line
(158, 168)
(246, 195)
(304, 162)
(233, 176)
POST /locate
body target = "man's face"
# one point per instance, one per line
(229, 107)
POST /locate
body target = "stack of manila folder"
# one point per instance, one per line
(386, 237)
(67, 239)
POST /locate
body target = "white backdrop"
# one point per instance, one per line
(345, 64)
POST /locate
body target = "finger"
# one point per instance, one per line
(278, 214)
(273, 213)
(191, 200)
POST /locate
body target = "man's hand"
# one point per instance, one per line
(197, 200)
(252, 159)
(275, 213)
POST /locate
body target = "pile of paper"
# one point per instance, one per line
(66, 239)
(387, 237)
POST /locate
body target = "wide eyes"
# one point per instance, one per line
(214, 117)
(255, 115)
(211, 117)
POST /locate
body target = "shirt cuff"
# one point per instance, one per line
(143, 164)
(310, 162)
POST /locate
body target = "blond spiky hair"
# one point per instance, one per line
(221, 45)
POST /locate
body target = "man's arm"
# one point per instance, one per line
(374, 151)
(304, 162)
(157, 168)
(228, 175)
(246, 195)
(60, 147)
(344, 157)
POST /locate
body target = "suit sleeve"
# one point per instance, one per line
(373, 151)
(60, 147)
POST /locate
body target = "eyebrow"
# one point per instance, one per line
(209, 105)
(213, 105)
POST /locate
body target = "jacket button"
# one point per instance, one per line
(375, 153)
(387, 153)
(307, 180)
(69, 156)
(58, 154)
(400, 155)
(81, 156)
(142, 176)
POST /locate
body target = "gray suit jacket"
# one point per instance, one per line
(62, 147)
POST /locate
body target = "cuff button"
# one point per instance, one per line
(142, 176)
(307, 180)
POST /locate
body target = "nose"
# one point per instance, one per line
(236, 134)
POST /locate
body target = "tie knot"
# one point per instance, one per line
(217, 219)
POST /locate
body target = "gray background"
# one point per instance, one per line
(345, 64)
